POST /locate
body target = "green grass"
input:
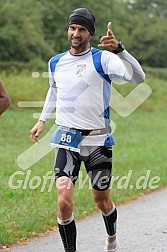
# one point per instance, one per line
(22, 86)
(140, 147)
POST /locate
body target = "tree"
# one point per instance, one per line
(21, 34)
(153, 8)
(37, 30)
(148, 29)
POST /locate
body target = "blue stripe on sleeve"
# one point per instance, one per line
(96, 54)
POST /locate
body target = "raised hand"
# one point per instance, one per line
(109, 40)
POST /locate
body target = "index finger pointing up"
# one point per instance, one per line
(109, 29)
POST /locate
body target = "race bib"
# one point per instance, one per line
(66, 138)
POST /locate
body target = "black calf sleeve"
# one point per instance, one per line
(68, 236)
(110, 220)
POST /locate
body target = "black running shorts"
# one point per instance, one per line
(97, 160)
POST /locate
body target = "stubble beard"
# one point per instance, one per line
(80, 46)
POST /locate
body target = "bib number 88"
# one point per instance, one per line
(66, 138)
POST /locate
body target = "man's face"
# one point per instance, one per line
(78, 37)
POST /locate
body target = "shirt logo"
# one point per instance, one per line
(81, 70)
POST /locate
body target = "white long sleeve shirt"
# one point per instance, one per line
(80, 86)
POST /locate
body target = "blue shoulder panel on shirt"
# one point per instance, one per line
(96, 54)
(55, 60)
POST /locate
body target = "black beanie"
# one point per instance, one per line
(84, 17)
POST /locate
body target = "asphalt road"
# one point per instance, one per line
(142, 227)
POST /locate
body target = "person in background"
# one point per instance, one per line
(4, 98)
(80, 84)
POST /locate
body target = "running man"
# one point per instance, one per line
(80, 83)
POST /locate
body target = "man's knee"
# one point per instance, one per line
(65, 195)
(64, 204)
(103, 201)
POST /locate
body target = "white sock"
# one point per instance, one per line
(111, 245)
(65, 222)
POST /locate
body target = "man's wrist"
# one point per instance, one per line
(120, 48)
(41, 121)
